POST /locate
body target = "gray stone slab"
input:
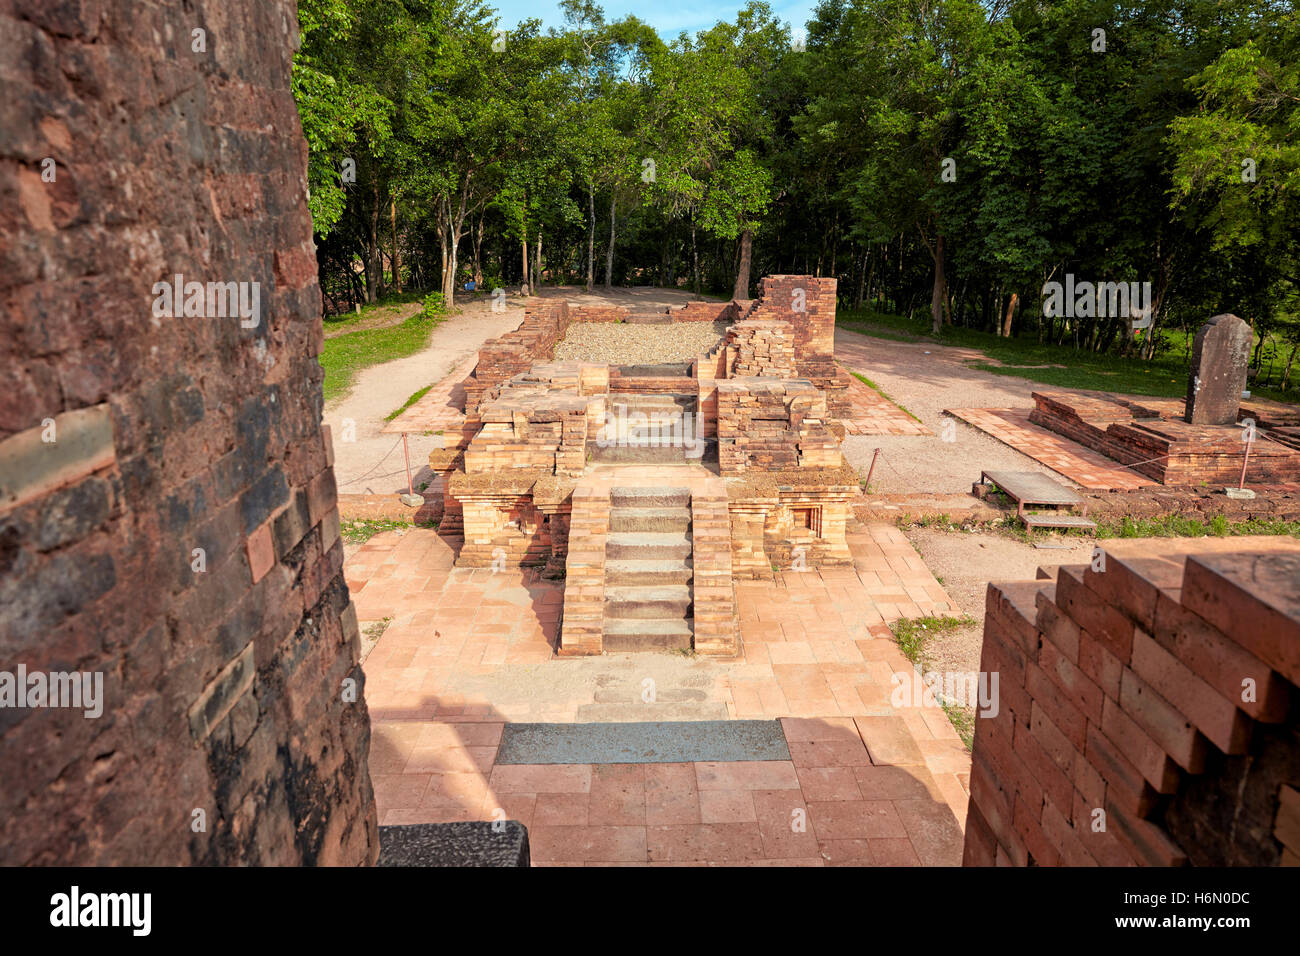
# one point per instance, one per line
(474, 843)
(665, 741)
(1032, 488)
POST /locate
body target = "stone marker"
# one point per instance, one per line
(1219, 357)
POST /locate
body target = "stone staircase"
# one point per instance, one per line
(648, 570)
(657, 428)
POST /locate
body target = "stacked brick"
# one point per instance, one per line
(713, 592)
(772, 425)
(167, 502)
(761, 349)
(584, 586)
(501, 359)
(1165, 449)
(1143, 709)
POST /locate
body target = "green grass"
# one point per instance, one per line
(360, 530)
(1024, 357)
(1177, 526)
(870, 384)
(388, 304)
(408, 403)
(345, 355)
(912, 634)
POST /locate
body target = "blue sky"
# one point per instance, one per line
(669, 17)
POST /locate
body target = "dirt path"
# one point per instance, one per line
(926, 378)
(372, 463)
(965, 563)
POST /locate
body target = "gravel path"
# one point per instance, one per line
(625, 343)
(372, 464)
(925, 379)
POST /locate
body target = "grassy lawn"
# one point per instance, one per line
(345, 355)
(382, 312)
(1164, 376)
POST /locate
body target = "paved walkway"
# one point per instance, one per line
(1084, 466)
(868, 782)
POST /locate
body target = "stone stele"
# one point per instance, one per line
(1219, 357)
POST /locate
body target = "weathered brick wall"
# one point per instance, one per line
(500, 359)
(808, 304)
(1166, 449)
(167, 501)
(768, 424)
(1144, 709)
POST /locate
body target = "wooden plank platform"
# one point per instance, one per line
(1032, 488)
(1057, 521)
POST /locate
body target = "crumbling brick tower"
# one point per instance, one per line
(167, 504)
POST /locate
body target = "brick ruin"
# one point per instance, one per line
(167, 503)
(1192, 441)
(647, 487)
(1146, 710)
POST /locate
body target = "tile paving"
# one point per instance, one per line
(1085, 467)
(868, 783)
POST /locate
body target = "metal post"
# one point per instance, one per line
(407, 455)
(1241, 483)
(872, 468)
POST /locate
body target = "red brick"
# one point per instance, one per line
(1057, 627)
(1101, 666)
(1044, 769)
(1124, 782)
(1030, 830)
(1220, 661)
(1104, 622)
(1254, 598)
(1057, 829)
(1167, 726)
(1218, 719)
(1149, 843)
(1138, 748)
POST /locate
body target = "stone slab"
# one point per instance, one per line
(643, 742)
(472, 843)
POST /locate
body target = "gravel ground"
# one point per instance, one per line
(621, 343)
(925, 379)
(965, 563)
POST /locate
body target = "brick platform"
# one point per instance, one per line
(1012, 426)
(1144, 710)
(468, 650)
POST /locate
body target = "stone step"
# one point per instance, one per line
(647, 635)
(641, 452)
(648, 603)
(665, 431)
(663, 370)
(634, 573)
(624, 496)
(645, 401)
(649, 519)
(636, 709)
(647, 545)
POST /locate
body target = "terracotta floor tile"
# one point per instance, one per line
(727, 806)
(713, 842)
(828, 783)
(560, 810)
(747, 775)
(855, 819)
(588, 844)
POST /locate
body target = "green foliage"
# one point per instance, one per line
(345, 355)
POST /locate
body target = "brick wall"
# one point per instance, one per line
(772, 425)
(500, 359)
(1144, 709)
(167, 501)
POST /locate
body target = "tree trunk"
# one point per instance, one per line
(1290, 360)
(537, 261)
(591, 238)
(397, 255)
(742, 267)
(609, 254)
(478, 258)
(1011, 311)
(939, 296)
(525, 264)
(695, 260)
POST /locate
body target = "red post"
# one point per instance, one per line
(872, 468)
(407, 455)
